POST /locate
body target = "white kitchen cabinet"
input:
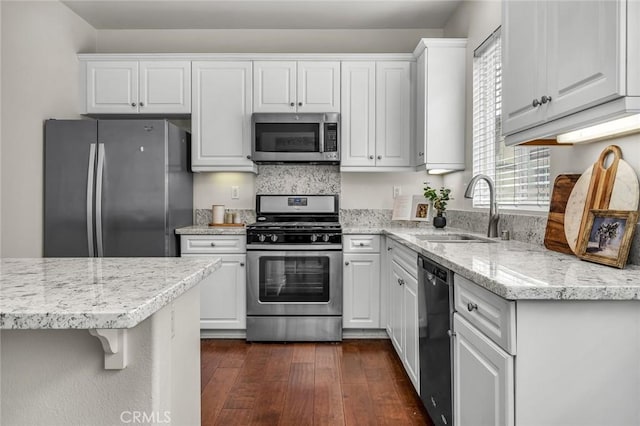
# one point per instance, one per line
(560, 58)
(222, 294)
(138, 87)
(376, 116)
(403, 324)
(483, 382)
(361, 282)
(221, 118)
(440, 104)
(296, 86)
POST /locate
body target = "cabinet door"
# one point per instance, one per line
(223, 295)
(483, 388)
(361, 285)
(410, 320)
(221, 118)
(318, 86)
(274, 86)
(393, 114)
(358, 114)
(585, 54)
(524, 64)
(112, 87)
(165, 87)
(395, 308)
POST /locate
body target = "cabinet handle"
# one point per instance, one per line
(420, 154)
(141, 104)
(536, 103)
(472, 307)
(133, 104)
(213, 244)
(371, 157)
(299, 103)
(400, 281)
(451, 333)
(389, 248)
(545, 99)
(292, 104)
(379, 157)
(248, 157)
(346, 263)
(242, 264)
(361, 244)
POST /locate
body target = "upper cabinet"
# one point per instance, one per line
(221, 118)
(567, 65)
(440, 104)
(376, 115)
(296, 86)
(138, 87)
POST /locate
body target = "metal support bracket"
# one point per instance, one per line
(114, 344)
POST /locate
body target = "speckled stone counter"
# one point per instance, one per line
(516, 270)
(211, 230)
(93, 293)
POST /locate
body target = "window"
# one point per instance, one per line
(521, 174)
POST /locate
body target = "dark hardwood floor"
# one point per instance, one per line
(356, 382)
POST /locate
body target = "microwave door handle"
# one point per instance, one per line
(321, 137)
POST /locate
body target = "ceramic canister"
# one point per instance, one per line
(218, 213)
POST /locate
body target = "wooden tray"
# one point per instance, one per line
(554, 237)
(227, 225)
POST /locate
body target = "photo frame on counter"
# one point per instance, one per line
(412, 207)
(606, 237)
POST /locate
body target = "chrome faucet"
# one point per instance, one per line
(494, 217)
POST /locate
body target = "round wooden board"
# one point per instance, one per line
(625, 196)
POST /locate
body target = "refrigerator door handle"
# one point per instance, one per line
(100, 173)
(90, 179)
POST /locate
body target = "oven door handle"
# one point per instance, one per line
(275, 248)
(321, 136)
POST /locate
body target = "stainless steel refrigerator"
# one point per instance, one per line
(115, 187)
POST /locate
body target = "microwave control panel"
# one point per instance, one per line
(331, 137)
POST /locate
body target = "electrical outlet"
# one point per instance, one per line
(396, 191)
(235, 193)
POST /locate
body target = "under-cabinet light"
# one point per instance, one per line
(438, 171)
(619, 127)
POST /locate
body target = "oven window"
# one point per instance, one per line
(287, 137)
(294, 279)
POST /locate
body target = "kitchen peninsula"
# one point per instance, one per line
(100, 340)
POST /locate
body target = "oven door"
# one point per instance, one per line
(294, 282)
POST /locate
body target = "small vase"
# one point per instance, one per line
(439, 221)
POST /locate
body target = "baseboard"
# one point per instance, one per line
(364, 333)
(223, 334)
(347, 333)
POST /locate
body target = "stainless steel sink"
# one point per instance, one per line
(454, 238)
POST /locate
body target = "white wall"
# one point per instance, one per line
(40, 80)
(262, 41)
(476, 20)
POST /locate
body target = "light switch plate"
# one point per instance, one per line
(397, 191)
(235, 193)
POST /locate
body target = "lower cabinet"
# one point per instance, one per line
(223, 293)
(361, 282)
(402, 324)
(483, 378)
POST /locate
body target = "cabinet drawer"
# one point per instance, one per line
(361, 244)
(491, 314)
(212, 244)
(406, 258)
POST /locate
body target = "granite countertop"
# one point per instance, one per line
(88, 293)
(211, 230)
(520, 271)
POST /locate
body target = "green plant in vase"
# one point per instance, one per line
(439, 198)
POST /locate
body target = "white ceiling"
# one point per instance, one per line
(264, 14)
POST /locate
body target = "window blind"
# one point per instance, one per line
(521, 174)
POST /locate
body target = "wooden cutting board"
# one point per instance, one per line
(614, 188)
(554, 237)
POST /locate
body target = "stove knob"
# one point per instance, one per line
(314, 238)
(261, 238)
(325, 238)
(274, 238)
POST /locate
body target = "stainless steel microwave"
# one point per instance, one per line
(295, 138)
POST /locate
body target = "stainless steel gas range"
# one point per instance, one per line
(294, 269)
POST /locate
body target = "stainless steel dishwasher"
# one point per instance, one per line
(435, 299)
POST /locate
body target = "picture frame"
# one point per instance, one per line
(413, 208)
(606, 237)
